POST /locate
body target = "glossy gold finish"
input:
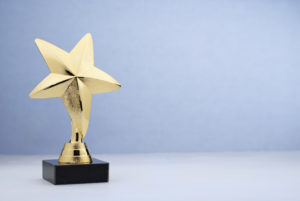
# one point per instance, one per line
(74, 78)
(75, 153)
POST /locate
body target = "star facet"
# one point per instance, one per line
(74, 78)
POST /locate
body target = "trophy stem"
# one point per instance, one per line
(76, 137)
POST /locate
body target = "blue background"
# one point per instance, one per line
(196, 75)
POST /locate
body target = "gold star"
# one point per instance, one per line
(74, 78)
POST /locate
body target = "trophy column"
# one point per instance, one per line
(75, 151)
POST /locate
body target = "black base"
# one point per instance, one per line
(74, 174)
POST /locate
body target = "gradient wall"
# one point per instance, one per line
(196, 75)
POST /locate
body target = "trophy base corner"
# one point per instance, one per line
(55, 173)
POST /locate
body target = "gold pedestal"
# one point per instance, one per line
(75, 153)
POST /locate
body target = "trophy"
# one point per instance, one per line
(74, 78)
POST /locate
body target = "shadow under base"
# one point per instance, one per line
(97, 171)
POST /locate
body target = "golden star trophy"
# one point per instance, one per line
(74, 78)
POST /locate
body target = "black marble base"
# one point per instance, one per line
(74, 174)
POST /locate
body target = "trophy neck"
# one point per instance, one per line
(76, 137)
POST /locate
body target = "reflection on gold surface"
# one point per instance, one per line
(74, 78)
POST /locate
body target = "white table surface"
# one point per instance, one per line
(243, 176)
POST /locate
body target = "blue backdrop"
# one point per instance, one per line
(196, 75)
